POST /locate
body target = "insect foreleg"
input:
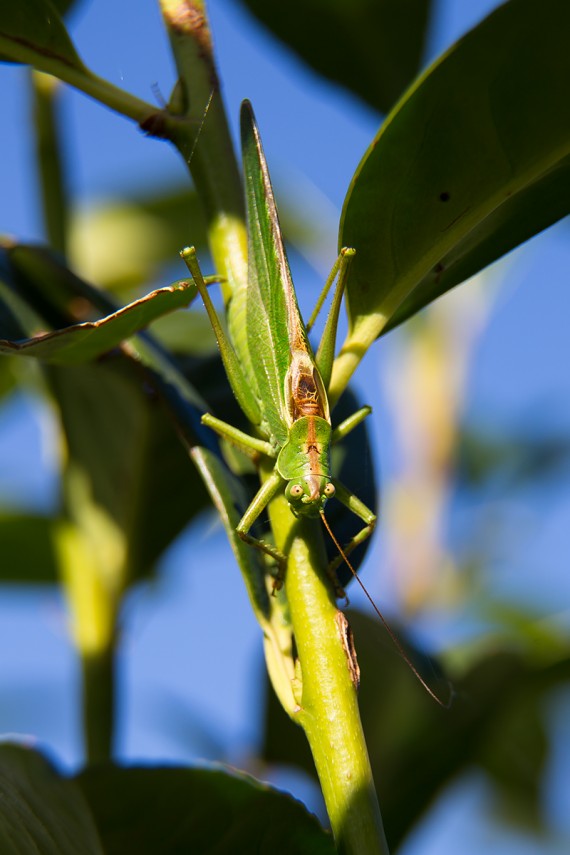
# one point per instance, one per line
(325, 354)
(345, 427)
(358, 508)
(240, 384)
(250, 445)
(260, 501)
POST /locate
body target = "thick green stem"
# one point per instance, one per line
(98, 684)
(91, 562)
(325, 693)
(203, 138)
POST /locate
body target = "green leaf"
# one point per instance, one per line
(84, 342)
(27, 549)
(171, 811)
(39, 811)
(65, 6)
(373, 47)
(473, 160)
(120, 418)
(33, 32)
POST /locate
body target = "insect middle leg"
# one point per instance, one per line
(250, 445)
(264, 495)
(349, 424)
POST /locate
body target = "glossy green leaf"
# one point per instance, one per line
(86, 341)
(40, 812)
(33, 32)
(473, 160)
(170, 811)
(373, 47)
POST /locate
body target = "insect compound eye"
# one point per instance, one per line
(295, 491)
(329, 490)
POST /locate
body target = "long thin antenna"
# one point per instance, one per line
(202, 122)
(387, 627)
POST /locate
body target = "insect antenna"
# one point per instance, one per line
(397, 643)
(201, 125)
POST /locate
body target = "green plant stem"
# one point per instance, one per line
(326, 697)
(98, 685)
(203, 138)
(53, 184)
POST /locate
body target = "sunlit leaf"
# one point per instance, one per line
(472, 161)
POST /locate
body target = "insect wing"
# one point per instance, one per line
(273, 323)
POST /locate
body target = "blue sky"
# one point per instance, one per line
(314, 134)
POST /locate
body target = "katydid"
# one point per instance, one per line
(279, 383)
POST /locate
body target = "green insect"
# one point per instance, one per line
(280, 384)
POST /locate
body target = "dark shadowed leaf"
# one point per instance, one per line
(417, 748)
(474, 160)
(121, 438)
(65, 6)
(171, 811)
(27, 549)
(373, 47)
(120, 416)
(41, 813)
(33, 32)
